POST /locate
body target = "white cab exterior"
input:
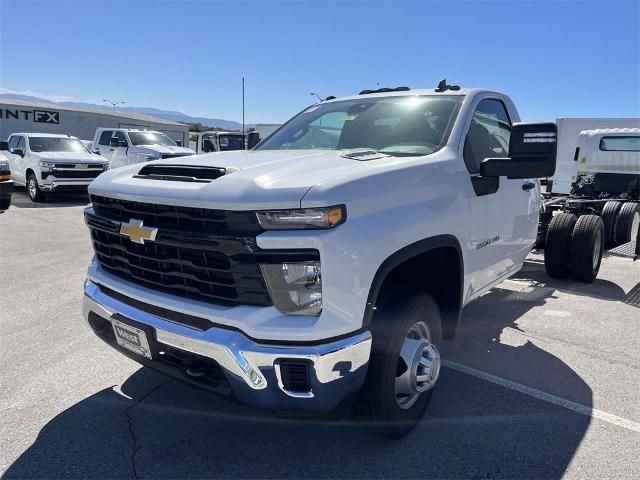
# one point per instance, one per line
(391, 203)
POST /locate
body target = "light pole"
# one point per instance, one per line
(316, 95)
(113, 104)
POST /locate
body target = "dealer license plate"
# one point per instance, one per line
(131, 338)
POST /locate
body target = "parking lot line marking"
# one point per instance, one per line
(547, 397)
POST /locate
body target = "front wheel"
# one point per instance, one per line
(33, 189)
(404, 365)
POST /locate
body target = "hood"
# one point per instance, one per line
(72, 157)
(254, 180)
(161, 149)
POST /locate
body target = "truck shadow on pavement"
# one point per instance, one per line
(152, 427)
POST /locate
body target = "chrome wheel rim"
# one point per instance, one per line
(418, 366)
(33, 188)
(596, 249)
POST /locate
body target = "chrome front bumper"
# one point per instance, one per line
(54, 184)
(336, 370)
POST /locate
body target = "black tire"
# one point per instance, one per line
(627, 222)
(608, 215)
(33, 189)
(556, 247)
(585, 251)
(377, 406)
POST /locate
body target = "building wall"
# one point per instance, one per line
(81, 124)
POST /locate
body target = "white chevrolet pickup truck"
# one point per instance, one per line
(51, 163)
(126, 146)
(326, 265)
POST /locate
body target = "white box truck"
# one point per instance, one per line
(568, 132)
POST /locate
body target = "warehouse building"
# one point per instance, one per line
(19, 116)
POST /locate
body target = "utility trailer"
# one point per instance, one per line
(602, 212)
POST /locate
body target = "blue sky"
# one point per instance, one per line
(554, 59)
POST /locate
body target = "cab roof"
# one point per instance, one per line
(44, 134)
(412, 92)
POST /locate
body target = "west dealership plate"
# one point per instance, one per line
(131, 338)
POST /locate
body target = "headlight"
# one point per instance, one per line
(5, 173)
(302, 218)
(295, 287)
(47, 165)
(149, 157)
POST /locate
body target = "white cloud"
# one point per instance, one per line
(45, 96)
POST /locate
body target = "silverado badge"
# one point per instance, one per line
(137, 232)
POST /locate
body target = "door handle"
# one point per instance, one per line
(528, 186)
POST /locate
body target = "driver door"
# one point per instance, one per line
(503, 211)
(119, 154)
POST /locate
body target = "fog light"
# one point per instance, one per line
(295, 287)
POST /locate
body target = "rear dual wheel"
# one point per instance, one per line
(574, 247)
(627, 223)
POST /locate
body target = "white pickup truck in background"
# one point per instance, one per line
(51, 163)
(126, 146)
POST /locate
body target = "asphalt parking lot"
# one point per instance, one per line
(542, 381)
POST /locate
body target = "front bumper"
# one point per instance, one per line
(63, 184)
(253, 372)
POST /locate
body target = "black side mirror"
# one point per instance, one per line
(18, 151)
(253, 139)
(179, 143)
(532, 153)
(115, 142)
(207, 146)
(4, 145)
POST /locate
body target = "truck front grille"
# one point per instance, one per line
(203, 254)
(79, 173)
(183, 260)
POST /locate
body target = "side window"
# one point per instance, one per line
(488, 135)
(620, 144)
(121, 137)
(13, 142)
(105, 137)
(22, 144)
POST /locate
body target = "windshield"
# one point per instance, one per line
(398, 126)
(150, 138)
(56, 144)
(231, 142)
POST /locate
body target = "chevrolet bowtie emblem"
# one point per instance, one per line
(137, 232)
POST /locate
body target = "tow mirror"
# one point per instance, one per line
(18, 151)
(4, 145)
(207, 146)
(253, 138)
(115, 142)
(179, 143)
(532, 153)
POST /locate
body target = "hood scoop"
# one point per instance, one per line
(181, 173)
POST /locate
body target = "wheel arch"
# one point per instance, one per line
(444, 254)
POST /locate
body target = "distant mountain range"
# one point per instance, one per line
(154, 112)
